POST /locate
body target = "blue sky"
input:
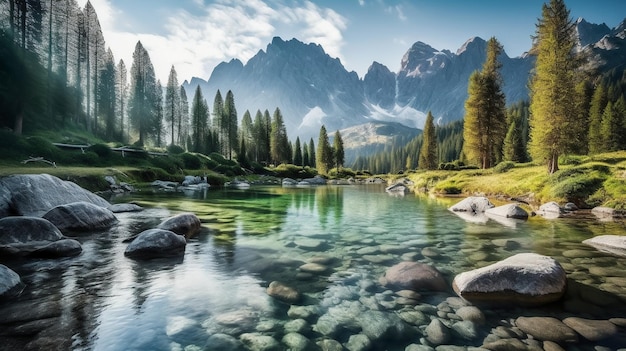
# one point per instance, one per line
(196, 35)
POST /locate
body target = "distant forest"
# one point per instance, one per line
(56, 72)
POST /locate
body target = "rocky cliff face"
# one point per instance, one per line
(311, 88)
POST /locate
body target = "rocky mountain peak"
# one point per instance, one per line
(472, 45)
(589, 33)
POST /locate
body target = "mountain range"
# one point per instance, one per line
(312, 88)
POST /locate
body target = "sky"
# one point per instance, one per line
(196, 35)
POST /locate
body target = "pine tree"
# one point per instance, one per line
(338, 151)
(261, 144)
(305, 155)
(199, 121)
(159, 125)
(143, 103)
(428, 152)
(121, 87)
(183, 120)
(106, 95)
(246, 135)
(485, 117)
(297, 153)
(552, 103)
(172, 103)
(279, 143)
(596, 109)
(229, 124)
(312, 155)
(217, 120)
(613, 129)
(324, 159)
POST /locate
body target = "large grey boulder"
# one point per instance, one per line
(127, 207)
(414, 276)
(185, 224)
(473, 204)
(613, 244)
(525, 279)
(10, 283)
(508, 211)
(155, 243)
(80, 217)
(550, 210)
(36, 194)
(22, 236)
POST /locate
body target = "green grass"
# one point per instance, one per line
(585, 180)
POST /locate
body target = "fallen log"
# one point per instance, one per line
(39, 159)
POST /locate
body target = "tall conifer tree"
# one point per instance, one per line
(428, 151)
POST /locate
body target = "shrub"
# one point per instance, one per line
(175, 149)
(168, 164)
(190, 161)
(503, 167)
(101, 150)
(40, 147)
(577, 188)
(89, 158)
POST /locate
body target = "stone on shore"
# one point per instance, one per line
(550, 210)
(155, 243)
(80, 217)
(526, 279)
(613, 244)
(414, 276)
(185, 224)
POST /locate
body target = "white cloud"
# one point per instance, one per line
(397, 10)
(195, 41)
(362, 2)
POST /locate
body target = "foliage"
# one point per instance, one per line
(485, 117)
(503, 167)
(292, 171)
(101, 150)
(175, 149)
(324, 152)
(190, 161)
(339, 156)
(553, 98)
(428, 151)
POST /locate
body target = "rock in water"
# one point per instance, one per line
(473, 204)
(154, 243)
(185, 224)
(546, 329)
(80, 217)
(283, 292)
(526, 279)
(36, 194)
(22, 236)
(508, 211)
(415, 276)
(613, 244)
(10, 283)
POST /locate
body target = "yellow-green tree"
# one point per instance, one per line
(324, 154)
(552, 88)
(485, 123)
(428, 151)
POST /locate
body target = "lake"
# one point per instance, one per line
(214, 298)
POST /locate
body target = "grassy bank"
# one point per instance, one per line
(587, 181)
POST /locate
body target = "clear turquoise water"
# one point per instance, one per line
(263, 234)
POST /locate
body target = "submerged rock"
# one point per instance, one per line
(414, 276)
(283, 292)
(10, 283)
(260, 342)
(36, 194)
(185, 224)
(591, 329)
(154, 243)
(129, 207)
(59, 248)
(474, 204)
(546, 329)
(524, 279)
(80, 217)
(614, 244)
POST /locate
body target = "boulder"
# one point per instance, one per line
(128, 207)
(613, 244)
(289, 182)
(508, 211)
(22, 236)
(36, 194)
(474, 204)
(155, 243)
(414, 276)
(317, 180)
(59, 248)
(526, 279)
(260, 342)
(397, 188)
(606, 212)
(10, 283)
(185, 224)
(80, 217)
(550, 210)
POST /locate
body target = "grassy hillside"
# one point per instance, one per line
(587, 181)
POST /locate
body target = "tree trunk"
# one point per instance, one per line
(19, 120)
(553, 163)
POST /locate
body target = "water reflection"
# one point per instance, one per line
(102, 300)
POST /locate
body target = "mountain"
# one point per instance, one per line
(311, 88)
(371, 137)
